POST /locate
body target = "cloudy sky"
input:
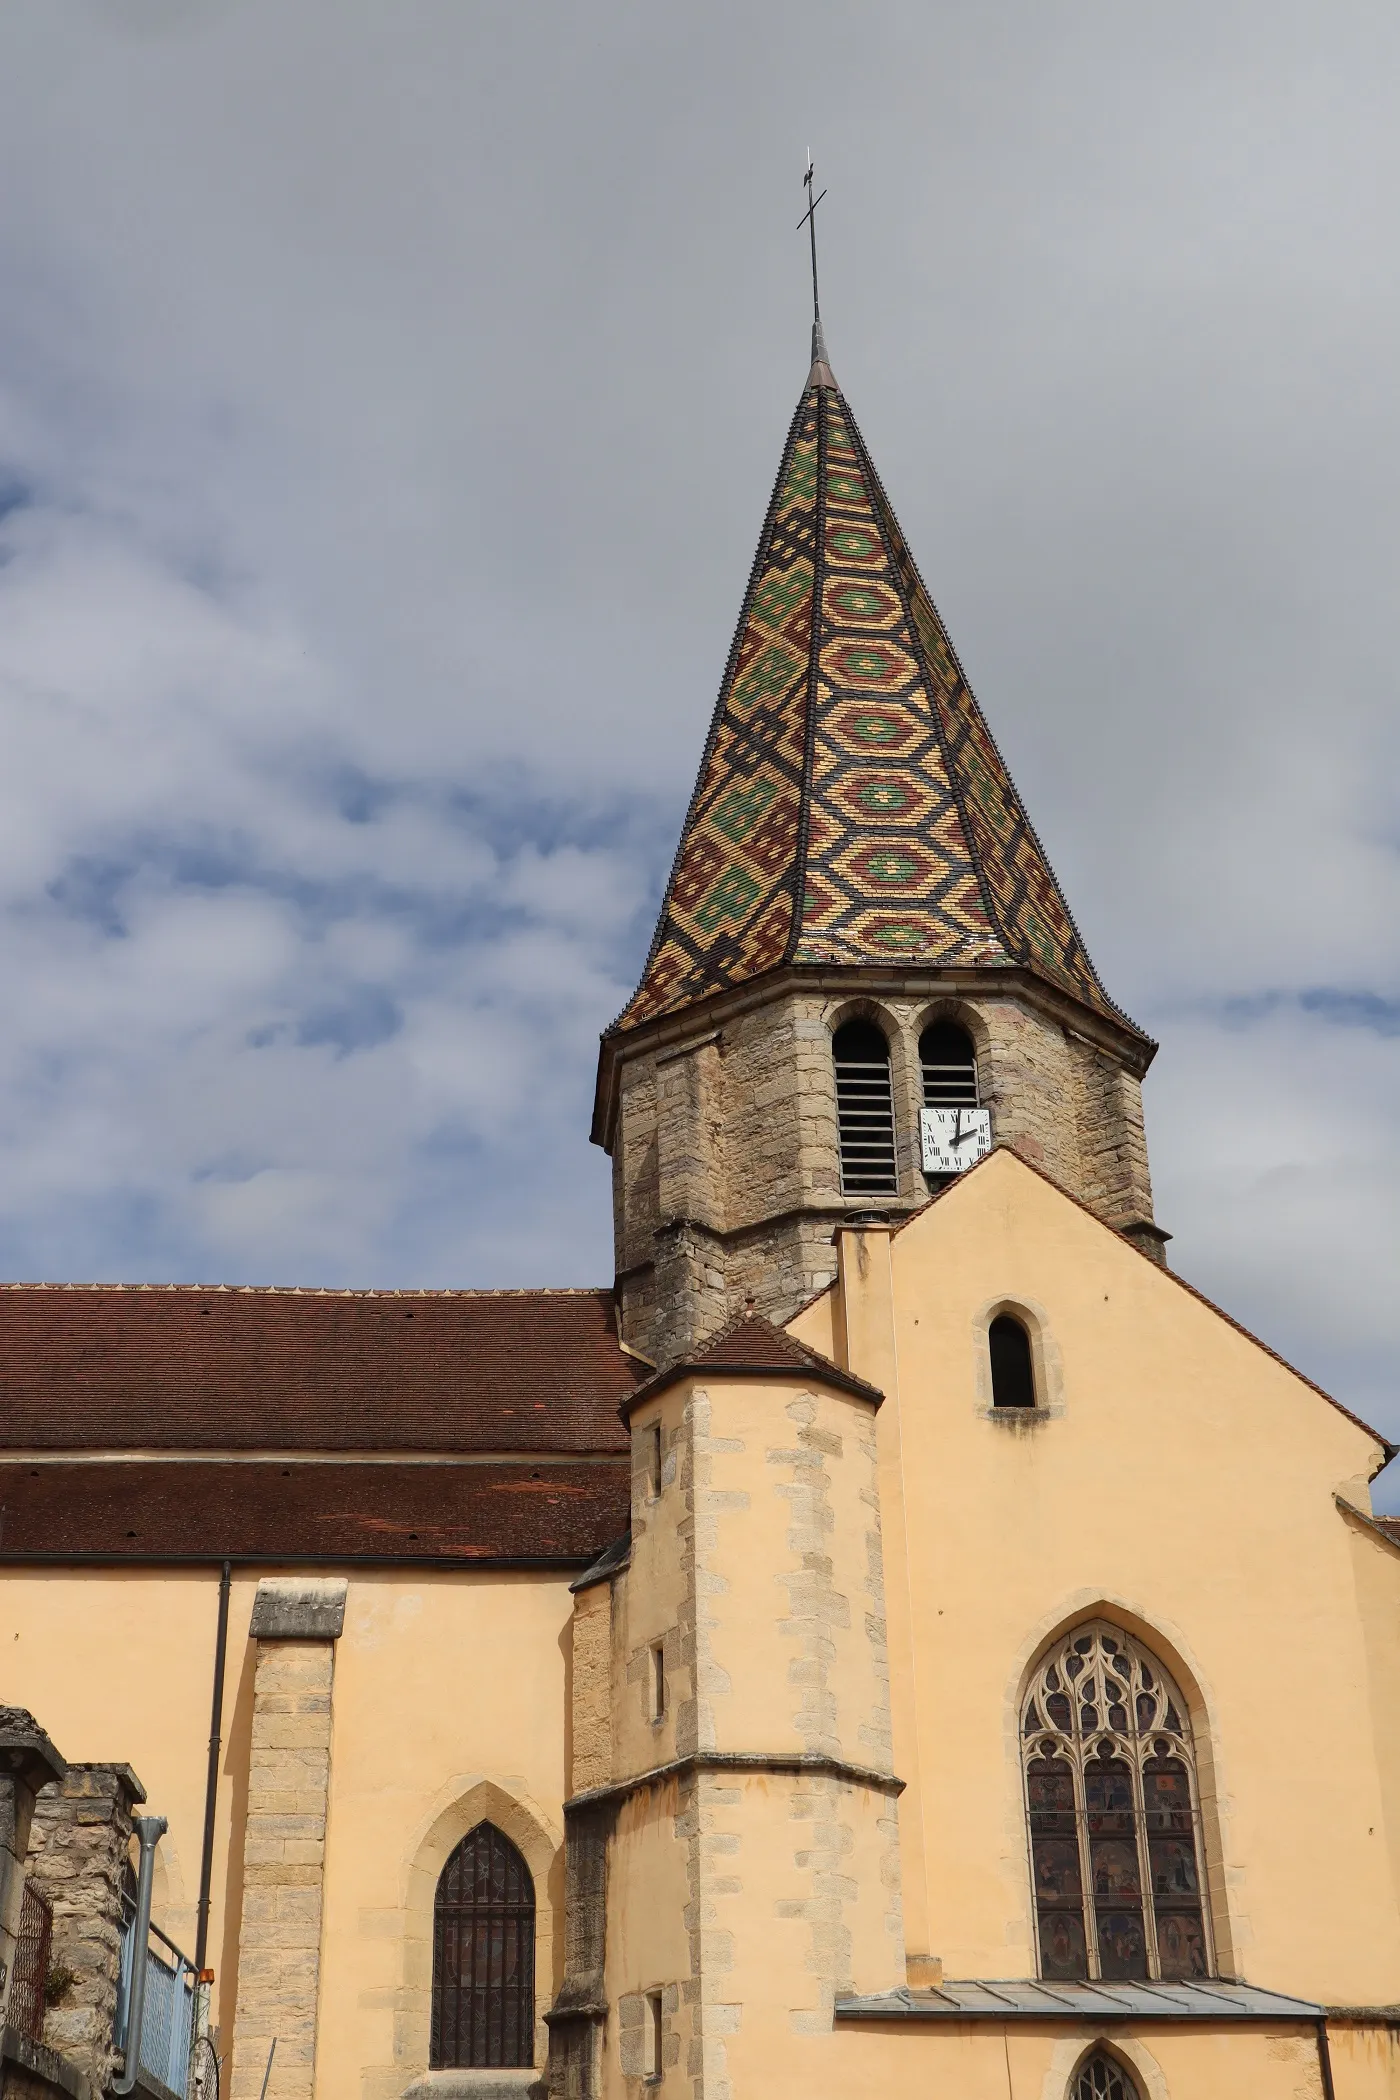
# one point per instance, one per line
(389, 396)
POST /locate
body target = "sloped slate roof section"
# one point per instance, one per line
(199, 1510)
(754, 1344)
(852, 806)
(126, 1367)
(1092, 2002)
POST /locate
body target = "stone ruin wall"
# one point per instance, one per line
(78, 1849)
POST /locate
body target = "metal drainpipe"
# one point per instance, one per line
(149, 1830)
(1324, 2060)
(211, 1784)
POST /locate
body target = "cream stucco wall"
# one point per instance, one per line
(1182, 1482)
(118, 1665)
(448, 1704)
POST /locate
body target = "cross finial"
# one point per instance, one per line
(809, 220)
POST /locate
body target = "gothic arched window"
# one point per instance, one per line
(484, 1956)
(864, 1110)
(1103, 2078)
(949, 1066)
(1114, 1814)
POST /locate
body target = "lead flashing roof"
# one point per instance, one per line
(1089, 2003)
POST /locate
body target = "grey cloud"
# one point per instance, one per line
(388, 403)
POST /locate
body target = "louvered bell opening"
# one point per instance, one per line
(864, 1110)
(950, 1067)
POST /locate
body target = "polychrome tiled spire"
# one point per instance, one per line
(851, 805)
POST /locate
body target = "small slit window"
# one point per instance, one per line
(658, 1682)
(864, 1110)
(654, 1460)
(655, 2038)
(1013, 1373)
(949, 1066)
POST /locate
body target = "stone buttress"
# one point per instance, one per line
(733, 1848)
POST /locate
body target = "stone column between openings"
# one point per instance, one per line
(296, 1624)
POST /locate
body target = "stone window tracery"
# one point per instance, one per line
(1103, 2078)
(1114, 1814)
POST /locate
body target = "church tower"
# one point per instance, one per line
(860, 925)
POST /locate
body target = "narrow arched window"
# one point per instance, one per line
(1013, 1376)
(1114, 1814)
(949, 1066)
(864, 1110)
(1102, 2078)
(484, 1956)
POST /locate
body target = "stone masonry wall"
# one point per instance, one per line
(78, 1849)
(727, 1175)
(279, 1948)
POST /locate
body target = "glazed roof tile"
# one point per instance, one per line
(851, 805)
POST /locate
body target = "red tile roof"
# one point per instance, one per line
(755, 1344)
(121, 1367)
(249, 1510)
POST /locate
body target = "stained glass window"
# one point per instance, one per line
(1114, 1816)
(1102, 2078)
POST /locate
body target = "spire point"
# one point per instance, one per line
(821, 373)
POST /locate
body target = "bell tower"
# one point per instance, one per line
(855, 851)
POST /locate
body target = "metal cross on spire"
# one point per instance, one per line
(809, 220)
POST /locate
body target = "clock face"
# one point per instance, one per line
(954, 1138)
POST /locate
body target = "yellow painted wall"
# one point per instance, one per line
(449, 1689)
(976, 2060)
(445, 1686)
(118, 1665)
(1183, 1483)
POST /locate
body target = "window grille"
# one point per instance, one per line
(1013, 1377)
(31, 1966)
(864, 1110)
(484, 1956)
(1114, 1815)
(1103, 2079)
(949, 1066)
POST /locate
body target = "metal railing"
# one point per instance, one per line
(168, 2015)
(29, 1982)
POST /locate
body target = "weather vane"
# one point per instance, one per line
(809, 220)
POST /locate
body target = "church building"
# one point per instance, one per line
(898, 1642)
